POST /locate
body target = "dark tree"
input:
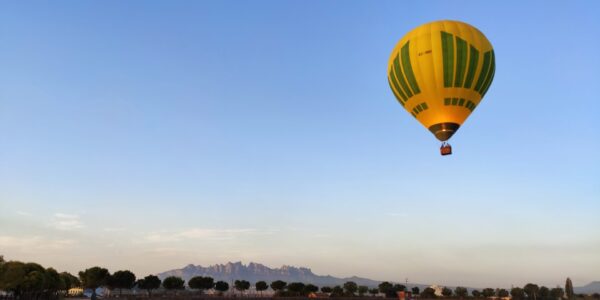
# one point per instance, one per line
(461, 292)
(503, 293)
(201, 283)
(295, 288)
(350, 287)
(596, 295)
(337, 291)
(362, 290)
(52, 280)
(34, 281)
(122, 280)
(241, 285)
(556, 293)
(207, 283)
(544, 292)
(415, 290)
(393, 291)
(326, 289)
(488, 292)
(149, 283)
(531, 290)
(68, 281)
(110, 283)
(195, 283)
(12, 275)
(476, 293)
(385, 287)
(399, 288)
(428, 293)
(222, 286)
(174, 283)
(569, 289)
(278, 285)
(446, 292)
(374, 291)
(94, 277)
(261, 286)
(517, 293)
(311, 288)
(34, 278)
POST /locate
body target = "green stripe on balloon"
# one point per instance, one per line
(461, 61)
(410, 76)
(473, 61)
(487, 58)
(490, 76)
(448, 58)
(393, 81)
(400, 77)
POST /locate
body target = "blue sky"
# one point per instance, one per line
(147, 136)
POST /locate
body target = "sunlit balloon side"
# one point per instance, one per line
(439, 72)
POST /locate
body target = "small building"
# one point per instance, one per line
(438, 290)
(318, 295)
(76, 291)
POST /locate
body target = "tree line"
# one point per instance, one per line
(19, 278)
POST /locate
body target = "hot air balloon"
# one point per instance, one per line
(439, 72)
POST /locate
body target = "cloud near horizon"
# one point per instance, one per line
(201, 234)
(68, 222)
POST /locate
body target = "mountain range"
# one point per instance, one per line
(254, 272)
(590, 288)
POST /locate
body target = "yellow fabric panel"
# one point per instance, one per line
(427, 62)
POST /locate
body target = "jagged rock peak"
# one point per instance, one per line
(254, 272)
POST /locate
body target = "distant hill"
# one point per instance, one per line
(590, 288)
(254, 272)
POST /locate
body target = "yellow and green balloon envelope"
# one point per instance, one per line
(439, 72)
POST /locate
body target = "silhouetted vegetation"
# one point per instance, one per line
(391, 290)
(24, 281)
(428, 293)
(278, 286)
(201, 283)
(149, 283)
(32, 281)
(241, 285)
(569, 288)
(461, 292)
(415, 290)
(221, 286)
(261, 286)
(174, 283)
(121, 280)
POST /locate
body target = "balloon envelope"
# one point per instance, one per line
(439, 72)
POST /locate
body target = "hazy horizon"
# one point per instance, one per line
(147, 136)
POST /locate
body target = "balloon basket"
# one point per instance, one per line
(445, 149)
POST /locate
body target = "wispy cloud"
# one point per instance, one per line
(34, 243)
(24, 213)
(62, 221)
(200, 234)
